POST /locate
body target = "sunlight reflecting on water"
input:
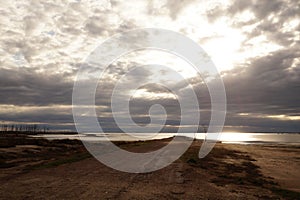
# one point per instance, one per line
(226, 137)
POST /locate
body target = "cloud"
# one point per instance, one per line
(43, 44)
(267, 86)
(171, 7)
(176, 6)
(24, 86)
(269, 79)
(278, 20)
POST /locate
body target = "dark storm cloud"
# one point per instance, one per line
(22, 86)
(268, 87)
(36, 117)
(270, 81)
(259, 93)
(25, 86)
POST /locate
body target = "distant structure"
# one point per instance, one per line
(28, 128)
(202, 129)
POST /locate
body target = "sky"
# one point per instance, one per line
(254, 44)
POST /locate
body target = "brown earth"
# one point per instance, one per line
(64, 170)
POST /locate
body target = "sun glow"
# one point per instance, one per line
(278, 117)
(284, 117)
(144, 94)
(235, 137)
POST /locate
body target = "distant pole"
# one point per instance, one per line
(204, 131)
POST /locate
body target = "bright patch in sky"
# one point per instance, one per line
(144, 94)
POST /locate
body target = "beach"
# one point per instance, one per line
(63, 169)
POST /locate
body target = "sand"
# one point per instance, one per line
(228, 172)
(281, 162)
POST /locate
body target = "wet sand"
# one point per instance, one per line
(64, 170)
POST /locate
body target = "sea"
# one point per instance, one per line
(225, 137)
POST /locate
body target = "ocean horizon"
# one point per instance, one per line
(225, 137)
